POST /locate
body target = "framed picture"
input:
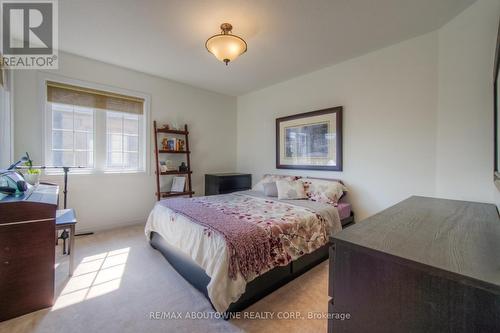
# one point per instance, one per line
(310, 141)
(178, 184)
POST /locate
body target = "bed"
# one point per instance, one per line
(203, 257)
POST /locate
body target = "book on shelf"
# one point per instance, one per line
(178, 184)
(174, 144)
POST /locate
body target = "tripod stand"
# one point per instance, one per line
(64, 234)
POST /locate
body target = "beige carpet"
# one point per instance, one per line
(120, 280)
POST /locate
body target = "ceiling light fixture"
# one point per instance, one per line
(225, 46)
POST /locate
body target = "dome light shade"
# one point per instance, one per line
(225, 46)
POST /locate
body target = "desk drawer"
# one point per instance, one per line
(26, 239)
(26, 285)
(18, 273)
(27, 258)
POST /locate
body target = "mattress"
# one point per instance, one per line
(344, 210)
(210, 252)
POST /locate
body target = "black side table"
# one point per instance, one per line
(222, 183)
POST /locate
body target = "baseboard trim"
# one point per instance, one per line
(109, 226)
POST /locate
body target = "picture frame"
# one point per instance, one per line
(178, 184)
(310, 141)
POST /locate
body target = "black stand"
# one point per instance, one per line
(64, 234)
(65, 192)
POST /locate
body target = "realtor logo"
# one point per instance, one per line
(29, 34)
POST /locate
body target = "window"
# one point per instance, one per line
(122, 136)
(72, 134)
(95, 130)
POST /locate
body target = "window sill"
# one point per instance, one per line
(121, 172)
(97, 172)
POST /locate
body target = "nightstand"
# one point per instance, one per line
(222, 183)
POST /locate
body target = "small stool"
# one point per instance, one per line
(66, 219)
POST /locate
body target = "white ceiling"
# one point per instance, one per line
(286, 38)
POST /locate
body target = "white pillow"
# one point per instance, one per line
(326, 191)
(270, 189)
(271, 179)
(291, 189)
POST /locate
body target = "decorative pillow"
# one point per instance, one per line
(291, 189)
(270, 189)
(269, 179)
(326, 191)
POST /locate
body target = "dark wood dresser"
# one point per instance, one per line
(423, 265)
(27, 256)
(222, 183)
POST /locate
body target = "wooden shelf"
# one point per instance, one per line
(176, 173)
(169, 131)
(188, 189)
(161, 151)
(175, 194)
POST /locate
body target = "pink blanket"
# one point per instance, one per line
(248, 244)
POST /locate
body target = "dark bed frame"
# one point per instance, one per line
(255, 289)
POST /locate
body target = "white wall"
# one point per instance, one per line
(389, 99)
(119, 199)
(464, 168)
(417, 120)
(6, 121)
(418, 116)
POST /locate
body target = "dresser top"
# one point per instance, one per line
(452, 237)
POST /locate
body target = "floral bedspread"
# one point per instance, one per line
(293, 230)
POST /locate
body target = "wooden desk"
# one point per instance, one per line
(27, 256)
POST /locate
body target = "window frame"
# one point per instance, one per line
(100, 143)
(140, 139)
(49, 130)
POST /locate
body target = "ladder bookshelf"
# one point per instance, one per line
(187, 174)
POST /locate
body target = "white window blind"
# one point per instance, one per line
(93, 98)
(94, 129)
